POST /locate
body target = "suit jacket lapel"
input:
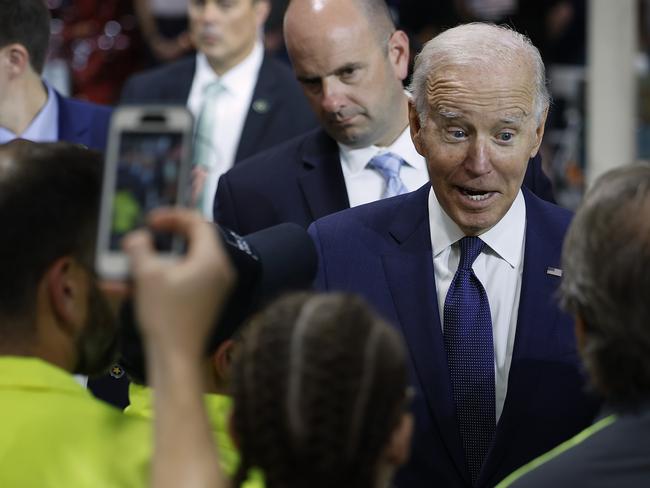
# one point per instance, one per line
(72, 127)
(410, 277)
(537, 314)
(262, 105)
(177, 88)
(321, 178)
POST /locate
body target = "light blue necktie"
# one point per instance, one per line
(389, 165)
(205, 152)
(470, 356)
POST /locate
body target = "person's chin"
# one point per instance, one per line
(351, 135)
(475, 214)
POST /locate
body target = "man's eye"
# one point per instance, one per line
(457, 134)
(505, 136)
(313, 86)
(348, 73)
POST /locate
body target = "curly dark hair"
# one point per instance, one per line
(319, 386)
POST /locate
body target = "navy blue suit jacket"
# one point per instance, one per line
(382, 251)
(281, 111)
(83, 122)
(300, 181)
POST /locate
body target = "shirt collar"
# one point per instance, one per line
(357, 159)
(21, 372)
(505, 238)
(44, 127)
(238, 79)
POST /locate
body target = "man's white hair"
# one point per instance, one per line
(474, 43)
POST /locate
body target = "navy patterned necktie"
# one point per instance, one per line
(470, 356)
(389, 165)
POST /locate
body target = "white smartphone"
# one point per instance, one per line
(147, 165)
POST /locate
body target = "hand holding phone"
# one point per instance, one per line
(146, 167)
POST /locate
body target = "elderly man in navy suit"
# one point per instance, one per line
(351, 62)
(29, 108)
(467, 266)
(243, 100)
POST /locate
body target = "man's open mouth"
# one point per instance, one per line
(475, 195)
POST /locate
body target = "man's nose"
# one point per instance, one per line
(332, 99)
(478, 157)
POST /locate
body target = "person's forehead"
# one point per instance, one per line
(245, 8)
(220, 3)
(330, 47)
(509, 88)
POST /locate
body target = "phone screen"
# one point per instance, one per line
(148, 169)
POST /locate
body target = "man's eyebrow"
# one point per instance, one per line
(308, 79)
(513, 119)
(346, 67)
(337, 72)
(449, 114)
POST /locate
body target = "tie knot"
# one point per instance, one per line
(470, 248)
(388, 164)
(212, 89)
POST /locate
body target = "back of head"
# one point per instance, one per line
(26, 22)
(49, 202)
(318, 388)
(478, 44)
(606, 283)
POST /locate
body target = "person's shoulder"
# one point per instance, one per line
(277, 67)
(376, 215)
(149, 84)
(550, 214)
(77, 105)
(576, 460)
(174, 68)
(275, 160)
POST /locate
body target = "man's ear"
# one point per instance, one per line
(415, 126)
(67, 289)
(15, 59)
(262, 11)
(398, 53)
(222, 359)
(397, 452)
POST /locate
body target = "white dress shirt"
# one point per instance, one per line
(43, 128)
(232, 105)
(366, 185)
(498, 268)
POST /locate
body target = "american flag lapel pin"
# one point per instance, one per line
(554, 271)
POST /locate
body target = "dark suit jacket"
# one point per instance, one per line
(382, 251)
(285, 114)
(300, 181)
(83, 122)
